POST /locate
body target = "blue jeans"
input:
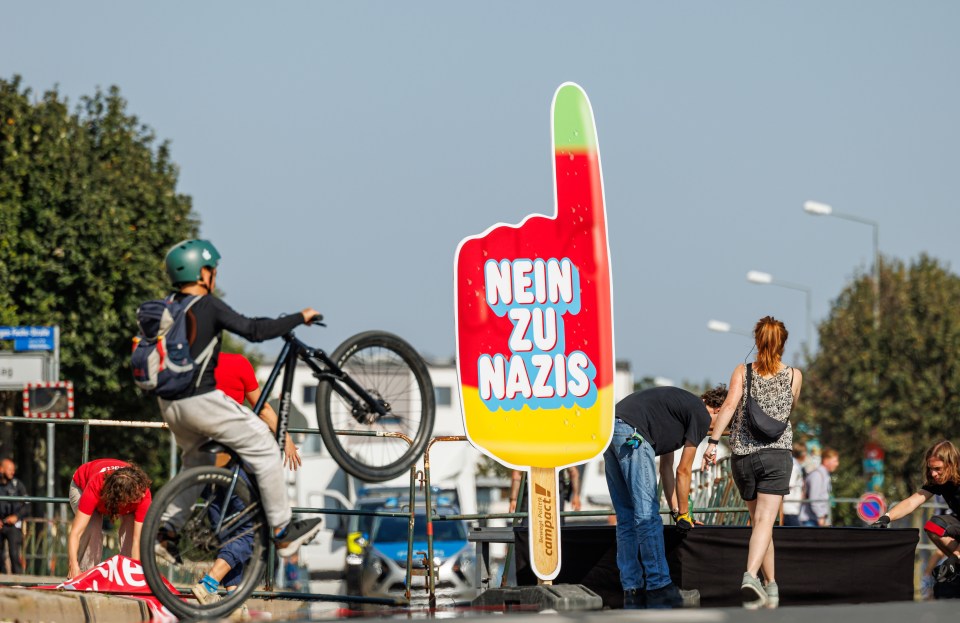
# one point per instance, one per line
(632, 480)
(239, 546)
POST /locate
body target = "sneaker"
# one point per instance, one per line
(634, 599)
(773, 594)
(947, 570)
(691, 598)
(665, 597)
(166, 546)
(752, 593)
(296, 534)
(204, 596)
(240, 614)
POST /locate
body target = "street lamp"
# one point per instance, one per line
(823, 209)
(724, 327)
(756, 276)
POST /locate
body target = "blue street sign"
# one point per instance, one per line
(33, 343)
(29, 338)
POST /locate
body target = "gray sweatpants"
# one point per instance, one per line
(90, 553)
(214, 415)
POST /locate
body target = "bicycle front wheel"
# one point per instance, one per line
(392, 372)
(193, 520)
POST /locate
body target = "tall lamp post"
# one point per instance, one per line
(823, 209)
(724, 327)
(756, 276)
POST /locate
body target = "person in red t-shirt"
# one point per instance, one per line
(236, 378)
(105, 487)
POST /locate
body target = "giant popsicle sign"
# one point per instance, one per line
(534, 319)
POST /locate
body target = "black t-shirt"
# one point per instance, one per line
(950, 493)
(666, 417)
(210, 316)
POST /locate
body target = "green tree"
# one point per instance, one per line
(88, 208)
(898, 385)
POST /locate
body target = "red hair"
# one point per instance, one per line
(771, 336)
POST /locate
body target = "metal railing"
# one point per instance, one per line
(45, 539)
(44, 548)
(714, 500)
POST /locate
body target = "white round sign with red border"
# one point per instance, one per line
(871, 506)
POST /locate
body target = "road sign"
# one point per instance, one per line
(30, 338)
(36, 356)
(33, 343)
(48, 400)
(871, 506)
(9, 333)
(18, 369)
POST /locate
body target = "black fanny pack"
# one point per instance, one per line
(762, 426)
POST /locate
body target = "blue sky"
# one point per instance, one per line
(337, 152)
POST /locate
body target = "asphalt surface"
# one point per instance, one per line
(51, 606)
(895, 612)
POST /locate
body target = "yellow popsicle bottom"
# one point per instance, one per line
(540, 437)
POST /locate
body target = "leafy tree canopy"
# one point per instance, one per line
(897, 385)
(88, 208)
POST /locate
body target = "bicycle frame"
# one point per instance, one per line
(293, 349)
(235, 464)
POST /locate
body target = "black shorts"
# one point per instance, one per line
(764, 471)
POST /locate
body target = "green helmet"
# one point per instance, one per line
(185, 259)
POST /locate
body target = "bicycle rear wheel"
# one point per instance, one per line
(190, 507)
(390, 370)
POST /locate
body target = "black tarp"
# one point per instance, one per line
(813, 565)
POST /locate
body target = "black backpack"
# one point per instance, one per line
(161, 361)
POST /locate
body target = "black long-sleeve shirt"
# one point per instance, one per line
(12, 507)
(210, 316)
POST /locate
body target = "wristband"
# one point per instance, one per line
(712, 441)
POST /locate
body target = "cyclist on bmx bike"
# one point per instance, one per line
(203, 412)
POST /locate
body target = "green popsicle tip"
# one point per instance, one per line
(573, 127)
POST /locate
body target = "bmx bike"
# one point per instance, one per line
(375, 388)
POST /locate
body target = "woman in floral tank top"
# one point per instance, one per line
(761, 469)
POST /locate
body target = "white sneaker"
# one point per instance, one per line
(204, 596)
(166, 547)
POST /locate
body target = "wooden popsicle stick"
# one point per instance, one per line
(544, 522)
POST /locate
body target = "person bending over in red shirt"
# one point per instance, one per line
(112, 488)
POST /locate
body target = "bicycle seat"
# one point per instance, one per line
(215, 447)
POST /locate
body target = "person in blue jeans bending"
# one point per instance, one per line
(651, 423)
